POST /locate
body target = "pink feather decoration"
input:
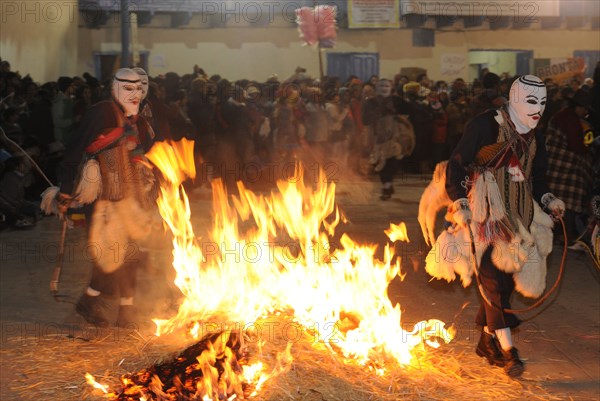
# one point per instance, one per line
(306, 25)
(317, 25)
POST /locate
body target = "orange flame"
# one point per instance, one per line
(397, 232)
(91, 381)
(274, 253)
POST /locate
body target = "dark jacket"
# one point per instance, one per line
(100, 119)
(481, 131)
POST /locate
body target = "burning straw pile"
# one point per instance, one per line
(333, 332)
(52, 368)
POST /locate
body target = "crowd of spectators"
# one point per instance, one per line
(243, 126)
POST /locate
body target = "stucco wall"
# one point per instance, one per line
(40, 38)
(256, 53)
(43, 38)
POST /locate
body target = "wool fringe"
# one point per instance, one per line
(494, 198)
(477, 201)
(89, 187)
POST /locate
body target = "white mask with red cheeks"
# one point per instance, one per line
(127, 90)
(527, 102)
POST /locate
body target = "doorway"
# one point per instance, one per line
(511, 61)
(344, 65)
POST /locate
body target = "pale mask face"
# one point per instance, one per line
(383, 88)
(144, 80)
(527, 100)
(127, 90)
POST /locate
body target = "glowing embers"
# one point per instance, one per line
(208, 370)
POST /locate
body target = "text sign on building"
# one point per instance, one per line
(522, 10)
(559, 69)
(454, 64)
(374, 13)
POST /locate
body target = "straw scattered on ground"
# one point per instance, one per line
(52, 367)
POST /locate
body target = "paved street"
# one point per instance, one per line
(560, 341)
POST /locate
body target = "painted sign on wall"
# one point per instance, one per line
(454, 64)
(559, 69)
(374, 13)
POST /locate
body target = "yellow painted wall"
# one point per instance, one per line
(256, 53)
(496, 61)
(40, 38)
(46, 41)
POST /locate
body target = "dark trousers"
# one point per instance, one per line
(498, 287)
(124, 279)
(389, 170)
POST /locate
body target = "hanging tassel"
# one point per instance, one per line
(514, 169)
(494, 198)
(477, 201)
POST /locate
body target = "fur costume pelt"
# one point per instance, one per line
(434, 198)
(115, 232)
(525, 256)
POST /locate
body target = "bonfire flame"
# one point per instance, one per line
(92, 382)
(304, 273)
(275, 254)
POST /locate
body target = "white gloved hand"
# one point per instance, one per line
(461, 213)
(554, 205)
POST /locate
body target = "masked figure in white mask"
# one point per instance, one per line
(105, 167)
(494, 186)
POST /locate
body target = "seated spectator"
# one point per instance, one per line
(11, 127)
(18, 212)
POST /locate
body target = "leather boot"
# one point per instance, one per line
(386, 193)
(126, 318)
(90, 308)
(488, 348)
(513, 366)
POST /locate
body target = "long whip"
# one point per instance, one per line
(39, 170)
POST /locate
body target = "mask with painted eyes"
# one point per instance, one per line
(127, 90)
(144, 80)
(527, 102)
(383, 88)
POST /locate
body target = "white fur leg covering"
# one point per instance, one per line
(136, 221)
(452, 255)
(108, 239)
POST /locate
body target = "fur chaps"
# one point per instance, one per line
(115, 231)
(525, 256)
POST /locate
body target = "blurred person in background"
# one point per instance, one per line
(569, 172)
(62, 110)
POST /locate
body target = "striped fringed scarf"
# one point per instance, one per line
(516, 196)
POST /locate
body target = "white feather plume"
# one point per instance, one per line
(49, 204)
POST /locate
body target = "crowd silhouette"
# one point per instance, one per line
(243, 127)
